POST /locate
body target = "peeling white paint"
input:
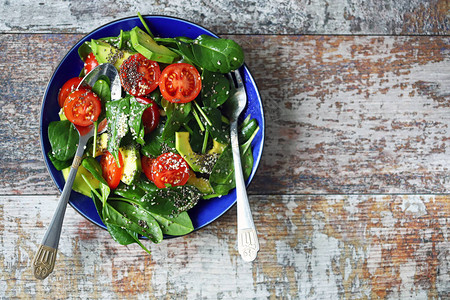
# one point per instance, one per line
(406, 273)
(374, 258)
(414, 205)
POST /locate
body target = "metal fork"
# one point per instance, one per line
(248, 245)
(44, 259)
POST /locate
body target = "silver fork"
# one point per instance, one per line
(44, 259)
(248, 245)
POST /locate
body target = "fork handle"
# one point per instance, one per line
(44, 259)
(248, 245)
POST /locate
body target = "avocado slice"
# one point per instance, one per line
(146, 45)
(202, 163)
(217, 148)
(202, 184)
(79, 185)
(131, 163)
(104, 53)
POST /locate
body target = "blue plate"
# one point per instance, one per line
(70, 66)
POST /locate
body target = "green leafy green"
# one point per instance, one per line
(135, 120)
(222, 177)
(134, 219)
(59, 164)
(213, 54)
(215, 89)
(218, 130)
(217, 55)
(247, 128)
(63, 139)
(124, 116)
(117, 114)
(103, 90)
(84, 50)
(176, 115)
(155, 144)
(145, 25)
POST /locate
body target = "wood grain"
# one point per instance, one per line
(404, 17)
(344, 115)
(318, 247)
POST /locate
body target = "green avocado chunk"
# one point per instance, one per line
(131, 163)
(146, 45)
(79, 185)
(106, 53)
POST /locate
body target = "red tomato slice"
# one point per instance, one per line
(150, 117)
(90, 63)
(110, 171)
(169, 168)
(180, 83)
(82, 107)
(68, 88)
(146, 163)
(139, 76)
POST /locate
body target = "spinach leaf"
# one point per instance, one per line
(215, 89)
(223, 170)
(142, 194)
(146, 185)
(59, 164)
(135, 120)
(196, 136)
(218, 130)
(217, 54)
(178, 116)
(222, 177)
(129, 191)
(124, 236)
(156, 96)
(93, 166)
(63, 139)
(171, 200)
(172, 224)
(117, 114)
(120, 235)
(133, 218)
(102, 89)
(84, 50)
(175, 225)
(156, 145)
(247, 128)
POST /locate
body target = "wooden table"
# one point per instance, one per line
(351, 199)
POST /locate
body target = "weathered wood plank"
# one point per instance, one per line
(343, 114)
(353, 114)
(237, 16)
(321, 247)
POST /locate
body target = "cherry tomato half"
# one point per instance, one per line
(150, 117)
(180, 83)
(82, 107)
(146, 163)
(68, 88)
(139, 76)
(110, 170)
(168, 168)
(90, 62)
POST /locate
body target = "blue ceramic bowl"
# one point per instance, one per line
(70, 66)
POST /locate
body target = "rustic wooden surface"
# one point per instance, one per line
(408, 17)
(351, 199)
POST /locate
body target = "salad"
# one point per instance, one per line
(167, 143)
